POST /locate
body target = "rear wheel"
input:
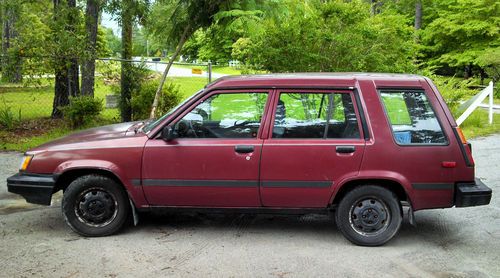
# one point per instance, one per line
(95, 205)
(369, 215)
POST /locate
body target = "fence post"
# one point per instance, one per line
(490, 110)
(470, 105)
(209, 71)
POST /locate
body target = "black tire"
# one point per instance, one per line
(95, 205)
(369, 215)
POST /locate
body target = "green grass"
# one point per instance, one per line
(477, 124)
(25, 143)
(188, 85)
(215, 69)
(36, 103)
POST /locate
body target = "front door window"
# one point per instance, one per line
(229, 115)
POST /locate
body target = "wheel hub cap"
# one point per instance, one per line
(369, 216)
(96, 207)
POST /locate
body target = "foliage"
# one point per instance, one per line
(143, 88)
(142, 99)
(462, 32)
(304, 41)
(7, 118)
(112, 41)
(454, 90)
(82, 110)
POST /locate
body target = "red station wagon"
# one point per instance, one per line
(360, 145)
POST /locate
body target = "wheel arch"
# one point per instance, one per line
(389, 184)
(65, 178)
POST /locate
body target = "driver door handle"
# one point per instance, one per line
(244, 148)
(345, 149)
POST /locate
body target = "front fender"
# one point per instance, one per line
(134, 190)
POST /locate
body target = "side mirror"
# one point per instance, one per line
(168, 133)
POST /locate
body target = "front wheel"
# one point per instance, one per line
(369, 215)
(95, 205)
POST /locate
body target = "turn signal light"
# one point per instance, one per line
(25, 162)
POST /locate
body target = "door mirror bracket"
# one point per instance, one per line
(168, 134)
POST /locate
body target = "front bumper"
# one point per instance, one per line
(472, 194)
(35, 188)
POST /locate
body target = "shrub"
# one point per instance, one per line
(7, 118)
(82, 110)
(142, 99)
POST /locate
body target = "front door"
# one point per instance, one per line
(316, 141)
(214, 159)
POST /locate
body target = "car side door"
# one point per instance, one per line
(315, 141)
(213, 161)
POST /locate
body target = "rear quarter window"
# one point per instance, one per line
(412, 118)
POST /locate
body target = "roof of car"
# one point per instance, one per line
(347, 79)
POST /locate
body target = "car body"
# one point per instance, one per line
(362, 145)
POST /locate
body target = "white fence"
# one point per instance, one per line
(476, 101)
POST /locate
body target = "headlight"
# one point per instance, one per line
(25, 162)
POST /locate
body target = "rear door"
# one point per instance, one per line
(314, 142)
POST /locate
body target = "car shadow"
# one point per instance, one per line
(431, 228)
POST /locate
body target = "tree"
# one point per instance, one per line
(88, 65)
(67, 39)
(11, 60)
(184, 18)
(461, 34)
(305, 41)
(113, 42)
(129, 12)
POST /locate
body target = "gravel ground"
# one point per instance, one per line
(459, 242)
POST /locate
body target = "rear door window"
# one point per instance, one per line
(412, 118)
(315, 116)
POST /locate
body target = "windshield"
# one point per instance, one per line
(148, 127)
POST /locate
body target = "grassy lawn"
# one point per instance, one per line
(35, 104)
(215, 69)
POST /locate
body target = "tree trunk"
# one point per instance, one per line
(468, 71)
(167, 69)
(418, 14)
(66, 68)
(11, 60)
(374, 7)
(73, 76)
(126, 68)
(61, 86)
(88, 65)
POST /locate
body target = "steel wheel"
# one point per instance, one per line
(96, 207)
(369, 217)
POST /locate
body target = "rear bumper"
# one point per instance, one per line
(472, 194)
(36, 189)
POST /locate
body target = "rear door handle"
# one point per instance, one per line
(244, 148)
(345, 149)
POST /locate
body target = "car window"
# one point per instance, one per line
(412, 118)
(236, 115)
(315, 115)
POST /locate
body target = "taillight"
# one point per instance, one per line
(461, 135)
(466, 147)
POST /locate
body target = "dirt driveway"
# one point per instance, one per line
(34, 240)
